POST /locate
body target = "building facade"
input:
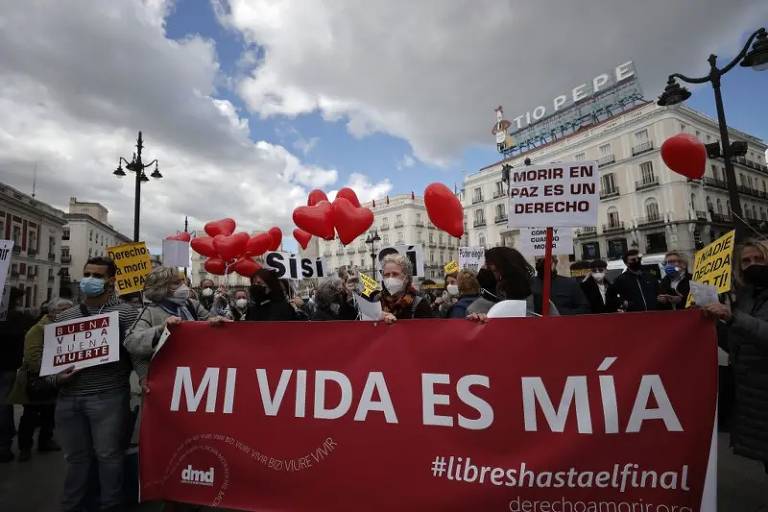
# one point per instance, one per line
(643, 204)
(398, 220)
(86, 234)
(36, 229)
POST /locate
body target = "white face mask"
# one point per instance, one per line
(335, 307)
(394, 285)
(180, 295)
(599, 276)
(452, 289)
(207, 292)
(241, 303)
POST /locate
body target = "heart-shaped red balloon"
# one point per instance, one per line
(277, 238)
(246, 267)
(315, 220)
(182, 236)
(215, 266)
(204, 245)
(220, 227)
(444, 209)
(685, 154)
(258, 244)
(315, 197)
(349, 194)
(350, 221)
(232, 246)
(302, 237)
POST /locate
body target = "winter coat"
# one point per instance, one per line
(142, 338)
(638, 291)
(459, 310)
(565, 293)
(748, 347)
(30, 366)
(683, 289)
(596, 302)
(12, 339)
(273, 311)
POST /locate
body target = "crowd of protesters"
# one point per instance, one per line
(95, 420)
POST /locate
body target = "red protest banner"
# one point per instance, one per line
(434, 414)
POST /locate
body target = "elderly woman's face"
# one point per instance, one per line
(392, 270)
(175, 282)
(751, 256)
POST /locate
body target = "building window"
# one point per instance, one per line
(418, 219)
(499, 189)
(431, 236)
(693, 202)
(652, 209)
(605, 149)
(431, 256)
(641, 137)
(719, 206)
(698, 134)
(655, 243)
(613, 217)
(90, 235)
(440, 238)
(385, 222)
(608, 183)
(590, 251)
(481, 239)
(16, 235)
(646, 172)
(501, 211)
(709, 204)
(89, 252)
(479, 217)
(51, 245)
(762, 213)
(741, 180)
(682, 127)
(617, 247)
(477, 195)
(715, 174)
(400, 237)
(580, 156)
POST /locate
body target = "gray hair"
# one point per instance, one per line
(58, 303)
(158, 282)
(399, 260)
(327, 292)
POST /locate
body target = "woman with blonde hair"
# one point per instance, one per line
(744, 331)
(399, 299)
(469, 292)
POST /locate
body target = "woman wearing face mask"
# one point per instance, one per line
(599, 290)
(206, 293)
(268, 301)
(469, 292)
(744, 332)
(238, 310)
(488, 297)
(399, 300)
(450, 296)
(169, 306)
(350, 279)
(328, 300)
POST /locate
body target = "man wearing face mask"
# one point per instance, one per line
(239, 307)
(92, 409)
(565, 292)
(637, 290)
(744, 333)
(328, 300)
(206, 293)
(598, 290)
(675, 285)
(450, 296)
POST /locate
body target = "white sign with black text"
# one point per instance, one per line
(82, 343)
(562, 194)
(471, 258)
(532, 241)
(414, 253)
(289, 266)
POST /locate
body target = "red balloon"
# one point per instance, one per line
(444, 209)
(232, 246)
(685, 154)
(258, 244)
(302, 237)
(349, 194)
(315, 197)
(350, 221)
(182, 236)
(220, 227)
(215, 266)
(246, 267)
(277, 238)
(204, 245)
(315, 220)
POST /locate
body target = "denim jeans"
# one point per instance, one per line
(7, 423)
(92, 428)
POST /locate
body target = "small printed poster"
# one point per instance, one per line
(82, 343)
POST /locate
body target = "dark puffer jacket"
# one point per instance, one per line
(748, 346)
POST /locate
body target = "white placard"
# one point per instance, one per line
(175, 253)
(532, 241)
(82, 342)
(508, 309)
(289, 266)
(563, 194)
(369, 311)
(471, 258)
(415, 253)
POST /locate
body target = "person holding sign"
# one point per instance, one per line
(745, 331)
(399, 299)
(92, 414)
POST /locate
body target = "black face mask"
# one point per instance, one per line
(635, 265)
(757, 275)
(540, 269)
(258, 292)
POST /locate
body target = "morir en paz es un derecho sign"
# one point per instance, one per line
(82, 342)
(562, 194)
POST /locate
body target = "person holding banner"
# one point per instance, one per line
(468, 291)
(238, 309)
(268, 301)
(399, 299)
(328, 299)
(745, 329)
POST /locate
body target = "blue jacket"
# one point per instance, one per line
(459, 310)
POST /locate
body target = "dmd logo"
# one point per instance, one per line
(197, 477)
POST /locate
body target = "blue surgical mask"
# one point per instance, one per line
(671, 270)
(92, 286)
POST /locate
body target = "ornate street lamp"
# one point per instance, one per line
(371, 240)
(137, 166)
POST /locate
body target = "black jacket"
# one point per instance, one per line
(566, 295)
(683, 289)
(12, 333)
(637, 292)
(595, 298)
(271, 311)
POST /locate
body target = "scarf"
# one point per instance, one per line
(398, 304)
(179, 310)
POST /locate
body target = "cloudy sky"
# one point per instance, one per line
(249, 104)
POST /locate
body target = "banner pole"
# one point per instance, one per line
(546, 289)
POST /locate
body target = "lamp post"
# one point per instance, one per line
(757, 59)
(371, 239)
(137, 166)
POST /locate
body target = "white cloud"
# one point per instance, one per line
(73, 97)
(405, 162)
(431, 72)
(306, 145)
(364, 188)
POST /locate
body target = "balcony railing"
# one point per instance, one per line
(721, 218)
(420, 223)
(586, 231)
(31, 274)
(384, 227)
(51, 278)
(66, 258)
(16, 248)
(605, 160)
(399, 224)
(432, 244)
(350, 249)
(714, 182)
(339, 252)
(500, 218)
(647, 221)
(653, 181)
(479, 223)
(701, 215)
(477, 199)
(14, 273)
(361, 249)
(51, 256)
(613, 226)
(327, 254)
(642, 148)
(32, 251)
(498, 193)
(612, 192)
(751, 191)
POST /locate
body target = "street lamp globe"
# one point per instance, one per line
(144, 178)
(156, 173)
(673, 94)
(119, 172)
(757, 58)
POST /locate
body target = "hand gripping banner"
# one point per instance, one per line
(590, 413)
